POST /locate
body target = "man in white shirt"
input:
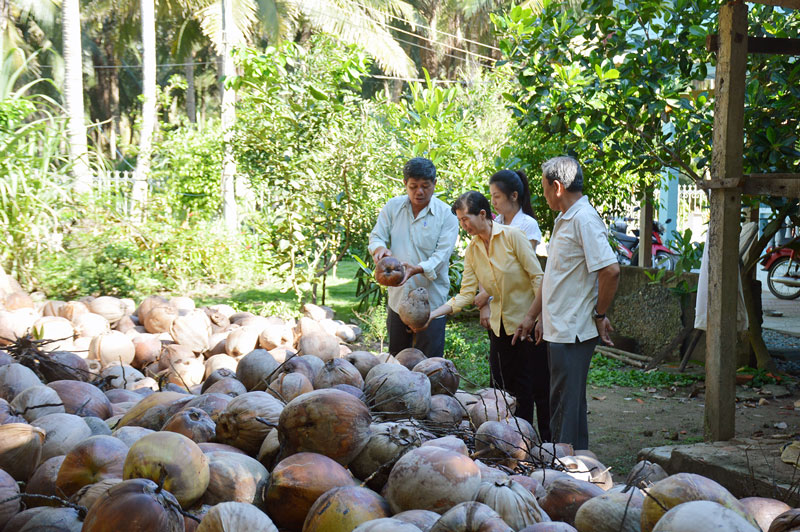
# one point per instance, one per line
(420, 231)
(580, 280)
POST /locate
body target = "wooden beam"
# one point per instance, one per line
(646, 231)
(791, 4)
(761, 45)
(787, 188)
(723, 231)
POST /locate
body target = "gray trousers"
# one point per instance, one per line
(569, 368)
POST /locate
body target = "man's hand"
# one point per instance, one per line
(523, 332)
(411, 270)
(380, 253)
(538, 332)
(604, 328)
(486, 314)
(481, 299)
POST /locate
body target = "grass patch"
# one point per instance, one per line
(467, 345)
(275, 297)
(606, 371)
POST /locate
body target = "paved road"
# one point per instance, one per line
(789, 321)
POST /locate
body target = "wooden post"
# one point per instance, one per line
(646, 230)
(723, 231)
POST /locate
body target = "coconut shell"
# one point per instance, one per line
(703, 515)
(235, 516)
(59, 331)
(60, 519)
(471, 516)
(319, 344)
(88, 495)
(235, 477)
(20, 449)
(92, 460)
(242, 424)
(399, 394)
(8, 414)
(241, 341)
(36, 402)
(130, 435)
(161, 403)
(63, 365)
(431, 478)
(135, 504)
(410, 357)
(159, 319)
(90, 324)
(338, 371)
(43, 482)
(112, 347)
(147, 350)
(111, 308)
(289, 386)
(765, 510)
(564, 497)
(82, 398)
(229, 386)
(442, 373)
(422, 519)
(172, 458)
(8, 489)
(682, 488)
(387, 443)
(71, 309)
(610, 512)
(16, 324)
(297, 482)
(211, 403)
(15, 378)
(363, 361)
(328, 421)
(255, 369)
(388, 524)
(415, 309)
(192, 330)
(193, 423)
(389, 271)
(62, 433)
(343, 509)
(788, 521)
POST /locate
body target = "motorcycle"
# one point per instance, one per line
(782, 264)
(627, 247)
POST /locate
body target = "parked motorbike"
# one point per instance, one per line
(627, 246)
(782, 264)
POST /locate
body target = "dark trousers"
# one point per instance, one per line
(569, 369)
(522, 371)
(430, 341)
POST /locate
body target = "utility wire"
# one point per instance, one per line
(410, 43)
(426, 27)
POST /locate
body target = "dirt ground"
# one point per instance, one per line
(624, 420)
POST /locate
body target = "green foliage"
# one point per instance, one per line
(35, 193)
(373, 326)
(467, 345)
(623, 88)
(106, 255)
(760, 378)
(690, 255)
(606, 371)
(369, 292)
(188, 162)
(310, 150)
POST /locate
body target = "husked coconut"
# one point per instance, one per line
(415, 309)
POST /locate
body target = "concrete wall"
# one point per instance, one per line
(647, 315)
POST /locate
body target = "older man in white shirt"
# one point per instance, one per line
(420, 231)
(580, 280)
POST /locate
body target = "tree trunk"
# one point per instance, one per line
(228, 120)
(148, 16)
(5, 17)
(432, 56)
(191, 105)
(73, 95)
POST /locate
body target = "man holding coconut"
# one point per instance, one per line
(419, 231)
(580, 280)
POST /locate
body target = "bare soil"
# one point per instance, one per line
(622, 421)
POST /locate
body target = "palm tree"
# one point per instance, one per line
(148, 19)
(73, 94)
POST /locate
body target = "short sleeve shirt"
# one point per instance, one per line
(578, 249)
(526, 223)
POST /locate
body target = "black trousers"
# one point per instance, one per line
(522, 370)
(430, 341)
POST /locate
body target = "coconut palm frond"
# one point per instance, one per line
(276, 18)
(188, 39)
(44, 12)
(357, 27)
(241, 28)
(387, 10)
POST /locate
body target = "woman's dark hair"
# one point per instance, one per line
(473, 202)
(510, 181)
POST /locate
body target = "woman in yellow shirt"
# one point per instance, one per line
(501, 259)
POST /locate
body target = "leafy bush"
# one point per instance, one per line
(467, 345)
(104, 255)
(606, 371)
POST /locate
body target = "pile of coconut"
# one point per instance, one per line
(166, 417)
